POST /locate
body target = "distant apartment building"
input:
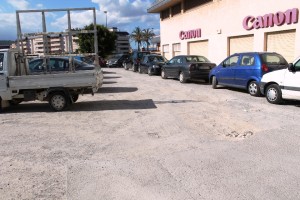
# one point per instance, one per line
(122, 42)
(57, 44)
(6, 44)
(219, 28)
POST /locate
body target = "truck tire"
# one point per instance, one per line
(59, 101)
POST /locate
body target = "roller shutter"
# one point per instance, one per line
(176, 49)
(241, 44)
(165, 50)
(198, 48)
(283, 43)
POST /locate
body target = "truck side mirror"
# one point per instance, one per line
(291, 67)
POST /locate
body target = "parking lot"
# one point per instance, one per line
(142, 137)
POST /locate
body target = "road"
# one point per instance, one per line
(146, 138)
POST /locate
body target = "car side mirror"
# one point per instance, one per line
(224, 65)
(291, 67)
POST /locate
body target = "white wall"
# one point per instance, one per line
(227, 16)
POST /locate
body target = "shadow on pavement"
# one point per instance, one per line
(85, 106)
(117, 89)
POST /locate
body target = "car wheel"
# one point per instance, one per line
(134, 68)
(214, 82)
(59, 101)
(125, 66)
(253, 89)
(182, 78)
(163, 74)
(273, 94)
(150, 73)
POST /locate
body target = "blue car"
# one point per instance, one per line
(245, 70)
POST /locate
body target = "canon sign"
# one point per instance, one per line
(288, 17)
(183, 35)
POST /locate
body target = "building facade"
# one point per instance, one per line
(122, 41)
(219, 28)
(57, 44)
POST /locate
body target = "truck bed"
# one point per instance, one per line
(78, 79)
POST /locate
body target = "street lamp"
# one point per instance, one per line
(105, 18)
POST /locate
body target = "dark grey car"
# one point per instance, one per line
(192, 67)
(151, 64)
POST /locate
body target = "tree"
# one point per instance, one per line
(137, 36)
(147, 36)
(106, 40)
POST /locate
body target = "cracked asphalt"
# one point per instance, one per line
(146, 138)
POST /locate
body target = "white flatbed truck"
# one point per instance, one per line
(60, 89)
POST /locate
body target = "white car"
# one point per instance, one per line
(282, 84)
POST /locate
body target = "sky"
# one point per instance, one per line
(123, 14)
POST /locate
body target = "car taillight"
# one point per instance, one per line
(264, 68)
(192, 67)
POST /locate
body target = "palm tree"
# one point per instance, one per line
(147, 36)
(137, 36)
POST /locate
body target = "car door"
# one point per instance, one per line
(169, 67)
(225, 75)
(176, 67)
(244, 70)
(3, 79)
(291, 83)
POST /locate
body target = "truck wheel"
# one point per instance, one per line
(59, 101)
(214, 82)
(253, 89)
(273, 94)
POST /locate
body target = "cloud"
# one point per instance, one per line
(18, 4)
(125, 14)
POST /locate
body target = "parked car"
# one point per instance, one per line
(91, 60)
(134, 60)
(151, 64)
(245, 70)
(192, 67)
(117, 60)
(58, 64)
(282, 84)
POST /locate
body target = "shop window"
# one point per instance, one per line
(190, 4)
(165, 14)
(176, 9)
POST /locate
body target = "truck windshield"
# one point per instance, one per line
(1, 61)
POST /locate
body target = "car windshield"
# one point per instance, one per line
(273, 59)
(191, 59)
(157, 59)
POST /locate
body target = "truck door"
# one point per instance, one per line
(3, 79)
